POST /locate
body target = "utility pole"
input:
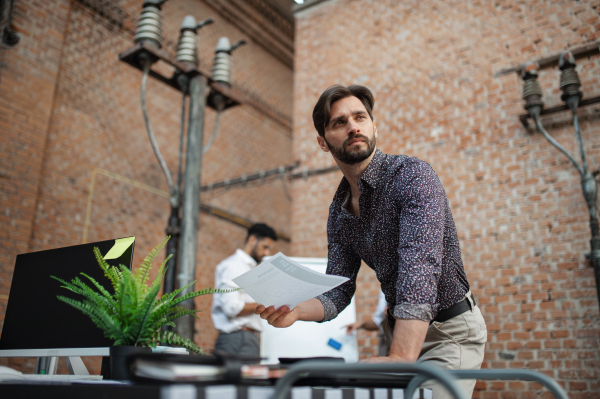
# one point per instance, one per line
(191, 197)
(569, 84)
(191, 81)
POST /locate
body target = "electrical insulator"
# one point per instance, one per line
(149, 27)
(569, 79)
(187, 48)
(532, 91)
(221, 70)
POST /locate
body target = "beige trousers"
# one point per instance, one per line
(456, 344)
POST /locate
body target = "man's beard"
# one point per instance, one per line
(254, 254)
(353, 157)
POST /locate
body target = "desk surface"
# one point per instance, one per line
(35, 390)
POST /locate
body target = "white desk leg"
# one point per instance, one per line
(53, 365)
(76, 366)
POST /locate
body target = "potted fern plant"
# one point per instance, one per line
(132, 315)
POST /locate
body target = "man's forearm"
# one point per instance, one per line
(311, 310)
(408, 339)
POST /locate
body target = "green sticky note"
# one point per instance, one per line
(121, 245)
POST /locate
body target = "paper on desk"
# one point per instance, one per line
(280, 281)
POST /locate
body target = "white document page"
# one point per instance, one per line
(280, 281)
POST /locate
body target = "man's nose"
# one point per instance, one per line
(352, 126)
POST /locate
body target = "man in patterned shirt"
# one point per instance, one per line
(392, 212)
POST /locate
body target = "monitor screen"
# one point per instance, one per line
(36, 323)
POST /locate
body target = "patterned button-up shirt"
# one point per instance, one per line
(405, 233)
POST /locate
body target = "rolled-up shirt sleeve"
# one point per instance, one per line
(420, 246)
(341, 262)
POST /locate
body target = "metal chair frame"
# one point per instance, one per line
(424, 372)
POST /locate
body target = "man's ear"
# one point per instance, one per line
(322, 143)
(251, 242)
(374, 129)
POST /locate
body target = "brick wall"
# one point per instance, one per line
(517, 201)
(70, 112)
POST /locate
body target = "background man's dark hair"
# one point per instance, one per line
(322, 110)
(260, 231)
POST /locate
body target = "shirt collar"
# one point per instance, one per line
(370, 176)
(245, 257)
(372, 173)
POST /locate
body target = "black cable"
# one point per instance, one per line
(181, 137)
(161, 161)
(556, 144)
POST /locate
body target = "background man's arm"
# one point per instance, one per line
(368, 325)
(247, 310)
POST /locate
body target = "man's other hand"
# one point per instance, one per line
(350, 328)
(368, 325)
(280, 318)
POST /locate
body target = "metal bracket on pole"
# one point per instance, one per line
(198, 79)
(559, 108)
(131, 56)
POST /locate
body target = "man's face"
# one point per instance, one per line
(351, 134)
(261, 247)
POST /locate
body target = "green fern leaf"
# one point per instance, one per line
(160, 276)
(93, 296)
(173, 314)
(133, 315)
(142, 274)
(165, 302)
(168, 297)
(142, 316)
(78, 287)
(127, 299)
(109, 271)
(200, 293)
(104, 321)
(101, 289)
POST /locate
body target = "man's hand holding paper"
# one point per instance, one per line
(279, 284)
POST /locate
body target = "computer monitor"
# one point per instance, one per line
(36, 323)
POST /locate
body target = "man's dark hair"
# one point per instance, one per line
(260, 231)
(322, 111)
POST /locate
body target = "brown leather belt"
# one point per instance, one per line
(250, 330)
(446, 314)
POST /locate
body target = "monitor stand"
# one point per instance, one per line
(48, 365)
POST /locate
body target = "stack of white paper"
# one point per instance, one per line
(280, 281)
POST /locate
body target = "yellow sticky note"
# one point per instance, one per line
(121, 245)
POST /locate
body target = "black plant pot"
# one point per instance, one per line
(118, 360)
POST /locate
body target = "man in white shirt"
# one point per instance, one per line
(233, 313)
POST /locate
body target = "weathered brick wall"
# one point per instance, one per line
(70, 112)
(517, 201)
